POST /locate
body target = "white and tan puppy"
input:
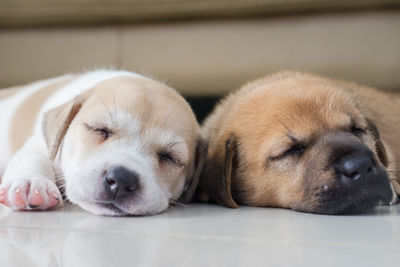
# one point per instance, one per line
(116, 142)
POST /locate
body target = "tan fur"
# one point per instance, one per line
(9, 92)
(119, 144)
(261, 114)
(24, 118)
(166, 114)
(167, 108)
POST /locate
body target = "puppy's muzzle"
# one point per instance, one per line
(359, 182)
(357, 172)
(120, 183)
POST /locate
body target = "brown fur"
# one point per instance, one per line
(263, 114)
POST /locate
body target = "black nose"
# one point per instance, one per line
(355, 167)
(120, 182)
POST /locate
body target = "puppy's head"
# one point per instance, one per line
(128, 146)
(298, 143)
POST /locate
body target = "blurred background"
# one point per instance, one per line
(203, 48)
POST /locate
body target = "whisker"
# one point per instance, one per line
(177, 202)
(115, 104)
(287, 128)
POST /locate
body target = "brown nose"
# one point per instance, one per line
(120, 182)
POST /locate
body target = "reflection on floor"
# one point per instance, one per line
(200, 235)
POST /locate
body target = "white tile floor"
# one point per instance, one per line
(200, 235)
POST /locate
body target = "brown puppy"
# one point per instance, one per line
(294, 140)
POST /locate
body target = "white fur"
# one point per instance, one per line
(84, 178)
(30, 166)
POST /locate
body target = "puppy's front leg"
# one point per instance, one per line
(29, 180)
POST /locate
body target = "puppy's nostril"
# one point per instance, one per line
(369, 169)
(110, 181)
(354, 175)
(131, 188)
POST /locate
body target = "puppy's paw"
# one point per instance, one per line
(30, 194)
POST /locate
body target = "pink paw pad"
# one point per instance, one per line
(37, 194)
(53, 199)
(36, 199)
(3, 196)
(19, 198)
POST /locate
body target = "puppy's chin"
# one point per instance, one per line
(103, 209)
(147, 202)
(342, 208)
(110, 209)
(338, 200)
(87, 186)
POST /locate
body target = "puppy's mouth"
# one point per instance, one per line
(354, 203)
(361, 207)
(339, 200)
(110, 207)
(349, 180)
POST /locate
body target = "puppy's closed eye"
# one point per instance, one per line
(357, 131)
(295, 150)
(101, 131)
(166, 157)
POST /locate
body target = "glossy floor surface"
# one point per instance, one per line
(200, 235)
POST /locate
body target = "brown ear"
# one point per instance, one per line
(193, 179)
(380, 148)
(56, 122)
(216, 178)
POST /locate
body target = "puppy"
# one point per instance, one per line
(117, 142)
(294, 140)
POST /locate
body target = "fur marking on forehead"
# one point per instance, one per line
(124, 121)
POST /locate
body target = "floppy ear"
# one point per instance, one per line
(216, 178)
(193, 179)
(380, 148)
(56, 123)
